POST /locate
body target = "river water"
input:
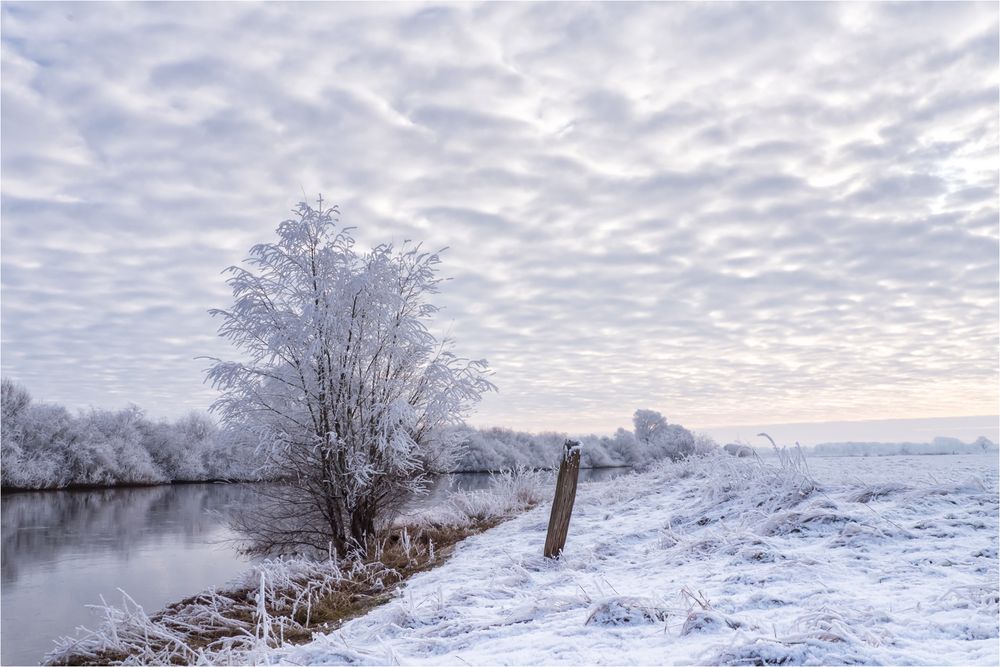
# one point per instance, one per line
(63, 550)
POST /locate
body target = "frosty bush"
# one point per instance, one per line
(343, 382)
(44, 446)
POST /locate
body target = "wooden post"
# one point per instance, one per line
(562, 504)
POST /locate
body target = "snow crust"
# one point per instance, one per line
(715, 561)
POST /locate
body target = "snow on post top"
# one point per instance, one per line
(571, 446)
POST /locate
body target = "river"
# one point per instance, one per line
(63, 550)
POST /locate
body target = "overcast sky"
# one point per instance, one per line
(733, 214)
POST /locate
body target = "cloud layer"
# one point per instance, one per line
(736, 214)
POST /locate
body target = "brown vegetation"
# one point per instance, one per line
(294, 609)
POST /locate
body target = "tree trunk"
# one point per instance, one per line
(362, 524)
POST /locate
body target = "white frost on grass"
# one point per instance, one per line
(127, 634)
(714, 561)
(240, 622)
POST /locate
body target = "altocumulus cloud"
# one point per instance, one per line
(739, 213)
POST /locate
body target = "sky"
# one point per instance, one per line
(733, 214)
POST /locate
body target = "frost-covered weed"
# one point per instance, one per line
(706, 620)
(273, 600)
(825, 636)
(984, 597)
(511, 492)
(866, 493)
(766, 651)
(521, 487)
(627, 611)
(740, 487)
(820, 512)
(837, 625)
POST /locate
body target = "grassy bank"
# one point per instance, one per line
(286, 600)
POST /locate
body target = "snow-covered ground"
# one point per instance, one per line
(719, 561)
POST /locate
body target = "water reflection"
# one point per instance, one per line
(62, 550)
(41, 526)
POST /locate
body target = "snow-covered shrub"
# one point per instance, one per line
(13, 400)
(738, 450)
(232, 454)
(44, 446)
(703, 443)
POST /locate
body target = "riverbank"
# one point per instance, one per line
(284, 601)
(10, 490)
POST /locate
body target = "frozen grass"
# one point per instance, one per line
(275, 601)
(714, 561)
(286, 600)
(510, 492)
(627, 611)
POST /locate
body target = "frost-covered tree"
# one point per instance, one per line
(179, 448)
(653, 431)
(13, 400)
(341, 379)
(649, 425)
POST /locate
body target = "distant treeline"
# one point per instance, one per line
(44, 446)
(491, 449)
(938, 446)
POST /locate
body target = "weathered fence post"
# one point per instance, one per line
(562, 504)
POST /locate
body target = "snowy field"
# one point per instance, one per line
(721, 561)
